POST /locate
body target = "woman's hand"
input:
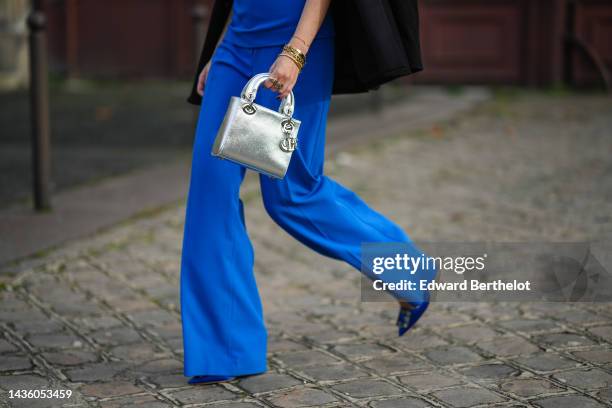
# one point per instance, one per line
(202, 79)
(285, 72)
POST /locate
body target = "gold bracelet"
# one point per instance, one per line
(297, 62)
(295, 52)
(295, 59)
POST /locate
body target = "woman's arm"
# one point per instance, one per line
(284, 70)
(204, 73)
(312, 17)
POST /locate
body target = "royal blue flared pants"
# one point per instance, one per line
(223, 325)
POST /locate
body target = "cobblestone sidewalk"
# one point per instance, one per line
(101, 316)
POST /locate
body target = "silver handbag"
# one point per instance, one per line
(255, 136)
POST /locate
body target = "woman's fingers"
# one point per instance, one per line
(285, 84)
(284, 74)
(200, 85)
(202, 80)
(268, 84)
(276, 82)
(287, 89)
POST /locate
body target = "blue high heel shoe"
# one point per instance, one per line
(408, 317)
(209, 379)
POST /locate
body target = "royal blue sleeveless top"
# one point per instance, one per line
(260, 23)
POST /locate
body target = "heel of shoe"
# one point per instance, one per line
(407, 318)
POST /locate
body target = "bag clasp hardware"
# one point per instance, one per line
(248, 108)
(288, 144)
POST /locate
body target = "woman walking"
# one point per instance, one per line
(223, 327)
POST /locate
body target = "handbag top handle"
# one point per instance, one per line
(249, 93)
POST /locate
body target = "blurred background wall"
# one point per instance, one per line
(122, 38)
(13, 43)
(522, 42)
(518, 42)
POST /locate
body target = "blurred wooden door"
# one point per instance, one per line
(591, 22)
(122, 38)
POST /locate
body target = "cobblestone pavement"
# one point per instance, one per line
(101, 316)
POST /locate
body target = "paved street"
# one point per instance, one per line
(100, 316)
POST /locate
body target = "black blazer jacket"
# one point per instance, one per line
(376, 41)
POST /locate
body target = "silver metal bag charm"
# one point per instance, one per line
(255, 136)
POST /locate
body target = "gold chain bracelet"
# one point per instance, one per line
(295, 55)
(304, 42)
(292, 58)
(295, 52)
